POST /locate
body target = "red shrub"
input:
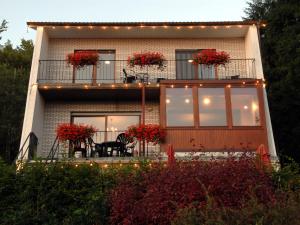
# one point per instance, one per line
(154, 196)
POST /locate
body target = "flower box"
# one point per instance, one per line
(211, 57)
(83, 58)
(149, 133)
(147, 59)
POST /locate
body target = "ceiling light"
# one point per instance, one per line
(187, 100)
(206, 101)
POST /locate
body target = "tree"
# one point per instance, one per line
(14, 73)
(281, 60)
(3, 26)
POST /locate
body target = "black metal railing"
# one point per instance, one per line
(113, 71)
(28, 149)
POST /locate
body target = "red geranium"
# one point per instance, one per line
(147, 59)
(83, 58)
(211, 57)
(74, 132)
(149, 132)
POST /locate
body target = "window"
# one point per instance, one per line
(212, 107)
(245, 108)
(179, 107)
(185, 70)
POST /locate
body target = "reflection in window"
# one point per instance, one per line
(245, 108)
(212, 107)
(179, 107)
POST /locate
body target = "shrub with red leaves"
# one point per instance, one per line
(154, 196)
(83, 58)
(74, 132)
(211, 57)
(148, 132)
(147, 59)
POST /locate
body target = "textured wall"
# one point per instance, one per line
(60, 112)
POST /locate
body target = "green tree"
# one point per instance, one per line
(3, 26)
(14, 73)
(281, 60)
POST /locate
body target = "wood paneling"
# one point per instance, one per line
(215, 139)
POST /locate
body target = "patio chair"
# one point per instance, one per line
(127, 143)
(128, 79)
(76, 146)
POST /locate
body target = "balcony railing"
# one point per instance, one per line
(113, 71)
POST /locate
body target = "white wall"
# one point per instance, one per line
(252, 49)
(34, 112)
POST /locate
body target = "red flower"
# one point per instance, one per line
(147, 59)
(74, 132)
(211, 57)
(150, 133)
(83, 58)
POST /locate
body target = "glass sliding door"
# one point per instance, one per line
(108, 126)
(106, 67)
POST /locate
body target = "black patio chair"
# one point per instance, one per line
(127, 144)
(128, 79)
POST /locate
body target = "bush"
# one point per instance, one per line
(56, 193)
(154, 197)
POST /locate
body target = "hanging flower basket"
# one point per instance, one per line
(149, 132)
(73, 132)
(211, 57)
(83, 58)
(147, 59)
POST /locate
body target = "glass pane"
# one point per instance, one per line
(106, 67)
(96, 121)
(179, 107)
(212, 107)
(206, 72)
(84, 74)
(185, 70)
(245, 108)
(118, 124)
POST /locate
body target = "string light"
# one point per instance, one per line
(128, 28)
(240, 26)
(58, 87)
(202, 27)
(76, 165)
(191, 27)
(186, 86)
(91, 164)
(229, 85)
(200, 85)
(228, 26)
(91, 27)
(178, 28)
(172, 86)
(104, 27)
(153, 27)
(215, 27)
(112, 85)
(244, 82)
(99, 85)
(165, 26)
(45, 87)
(67, 27)
(116, 28)
(53, 27)
(105, 165)
(78, 27)
(157, 85)
(85, 86)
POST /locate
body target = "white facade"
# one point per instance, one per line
(54, 43)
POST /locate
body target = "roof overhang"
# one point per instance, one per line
(224, 29)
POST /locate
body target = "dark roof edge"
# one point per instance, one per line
(213, 23)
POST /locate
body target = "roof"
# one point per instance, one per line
(211, 23)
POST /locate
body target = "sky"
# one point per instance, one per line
(18, 12)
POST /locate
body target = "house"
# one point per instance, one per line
(202, 108)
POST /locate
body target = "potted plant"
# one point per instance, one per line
(83, 58)
(211, 57)
(148, 132)
(147, 59)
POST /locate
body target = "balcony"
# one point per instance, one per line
(115, 75)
